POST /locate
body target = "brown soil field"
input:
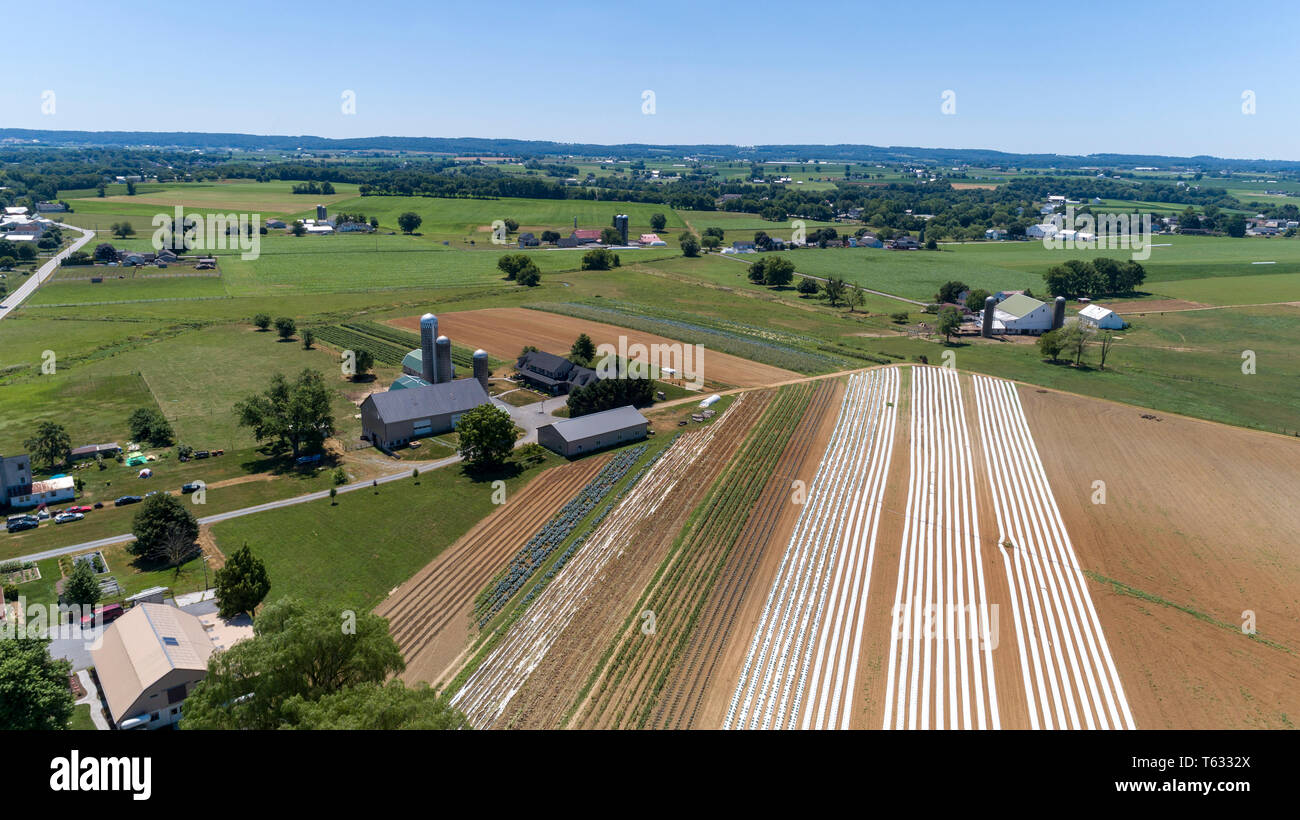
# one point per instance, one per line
(697, 694)
(503, 332)
(584, 619)
(430, 614)
(1198, 516)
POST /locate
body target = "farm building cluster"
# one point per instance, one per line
(427, 399)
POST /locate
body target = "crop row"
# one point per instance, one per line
(684, 583)
(552, 534)
(385, 353)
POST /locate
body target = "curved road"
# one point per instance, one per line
(12, 300)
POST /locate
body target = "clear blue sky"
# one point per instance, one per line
(1160, 78)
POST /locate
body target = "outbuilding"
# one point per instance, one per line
(1101, 317)
(595, 431)
(395, 418)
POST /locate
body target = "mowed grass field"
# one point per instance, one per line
(274, 198)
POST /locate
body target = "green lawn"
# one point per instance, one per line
(354, 552)
(80, 720)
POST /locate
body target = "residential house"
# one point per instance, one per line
(553, 374)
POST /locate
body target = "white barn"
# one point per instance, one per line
(1100, 317)
(1022, 314)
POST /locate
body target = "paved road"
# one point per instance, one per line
(423, 466)
(12, 300)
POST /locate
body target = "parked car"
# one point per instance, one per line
(312, 459)
(82, 509)
(99, 505)
(65, 517)
(201, 454)
(21, 523)
(109, 613)
(127, 499)
(191, 487)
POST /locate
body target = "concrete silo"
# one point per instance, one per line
(481, 367)
(444, 370)
(1058, 313)
(428, 360)
(986, 330)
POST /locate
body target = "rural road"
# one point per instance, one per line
(12, 300)
(270, 505)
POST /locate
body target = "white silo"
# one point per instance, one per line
(428, 356)
(444, 369)
(481, 367)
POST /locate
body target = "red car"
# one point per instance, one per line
(82, 509)
(108, 613)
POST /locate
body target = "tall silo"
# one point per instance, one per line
(428, 360)
(481, 367)
(444, 371)
(987, 329)
(1058, 313)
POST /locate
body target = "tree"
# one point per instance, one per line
(583, 350)
(374, 706)
(7, 262)
(776, 271)
(308, 338)
(50, 444)
(130, 188)
(949, 322)
(294, 415)
(122, 229)
(511, 225)
(105, 252)
(363, 360)
(409, 221)
(950, 291)
(511, 263)
(975, 299)
(1236, 226)
(658, 222)
(690, 245)
(530, 276)
(298, 654)
(1103, 347)
(150, 425)
(807, 286)
(298, 228)
(81, 588)
(285, 326)
(34, 693)
(1075, 339)
(242, 583)
(262, 321)
(833, 289)
(334, 492)
(550, 237)
(487, 434)
(611, 236)
(1050, 345)
(161, 518)
(597, 259)
(855, 298)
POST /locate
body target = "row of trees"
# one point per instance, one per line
(1098, 277)
(520, 267)
(1072, 341)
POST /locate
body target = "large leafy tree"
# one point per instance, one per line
(242, 583)
(299, 654)
(949, 322)
(607, 394)
(409, 221)
(149, 424)
(34, 692)
(374, 706)
(487, 435)
(162, 522)
(81, 588)
(50, 444)
(949, 291)
(294, 414)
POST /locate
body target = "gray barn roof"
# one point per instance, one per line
(430, 400)
(594, 424)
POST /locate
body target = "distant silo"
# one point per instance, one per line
(444, 359)
(987, 329)
(428, 357)
(481, 367)
(1058, 313)
(320, 213)
(620, 225)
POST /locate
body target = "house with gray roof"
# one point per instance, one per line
(553, 374)
(397, 417)
(594, 431)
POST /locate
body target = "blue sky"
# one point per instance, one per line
(1161, 78)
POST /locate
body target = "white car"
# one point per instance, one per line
(63, 518)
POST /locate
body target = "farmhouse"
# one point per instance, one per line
(552, 374)
(1022, 314)
(743, 247)
(904, 243)
(49, 491)
(396, 417)
(1101, 317)
(51, 207)
(586, 236)
(592, 432)
(528, 240)
(148, 662)
(109, 450)
(272, 222)
(870, 241)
